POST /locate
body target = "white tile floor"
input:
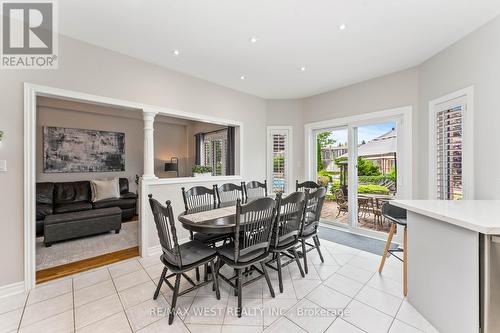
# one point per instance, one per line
(345, 294)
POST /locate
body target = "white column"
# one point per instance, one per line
(149, 147)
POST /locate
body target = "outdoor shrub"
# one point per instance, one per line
(202, 169)
(374, 189)
(323, 180)
(367, 168)
(324, 173)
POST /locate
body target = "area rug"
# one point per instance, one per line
(359, 242)
(86, 247)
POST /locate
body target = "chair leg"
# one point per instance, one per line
(162, 277)
(174, 298)
(215, 277)
(304, 255)
(405, 263)
(205, 275)
(237, 273)
(392, 230)
(238, 283)
(197, 270)
(316, 243)
(268, 280)
(280, 275)
(296, 255)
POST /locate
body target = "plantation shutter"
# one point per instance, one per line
(215, 152)
(449, 135)
(279, 146)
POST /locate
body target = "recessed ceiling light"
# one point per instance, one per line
(342, 26)
(242, 77)
(302, 68)
(253, 40)
(176, 52)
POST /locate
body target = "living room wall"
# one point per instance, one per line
(94, 70)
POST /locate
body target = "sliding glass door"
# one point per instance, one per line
(362, 156)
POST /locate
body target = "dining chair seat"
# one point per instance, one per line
(309, 230)
(227, 253)
(192, 253)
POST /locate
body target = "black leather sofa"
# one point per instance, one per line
(70, 197)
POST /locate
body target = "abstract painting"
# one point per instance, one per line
(68, 150)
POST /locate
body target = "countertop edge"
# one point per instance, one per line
(467, 224)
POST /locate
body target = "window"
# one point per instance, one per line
(215, 152)
(449, 152)
(278, 159)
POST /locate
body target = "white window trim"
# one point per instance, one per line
(289, 186)
(467, 142)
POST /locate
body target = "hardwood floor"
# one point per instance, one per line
(85, 265)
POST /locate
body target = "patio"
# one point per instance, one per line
(366, 219)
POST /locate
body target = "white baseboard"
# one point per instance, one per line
(153, 251)
(11, 289)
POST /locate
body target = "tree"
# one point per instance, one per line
(367, 168)
(322, 140)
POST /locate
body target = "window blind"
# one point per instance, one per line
(279, 156)
(449, 152)
(215, 152)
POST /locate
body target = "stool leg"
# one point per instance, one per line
(405, 264)
(387, 246)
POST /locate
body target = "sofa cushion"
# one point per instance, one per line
(71, 192)
(104, 189)
(44, 193)
(72, 207)
(43, 210)
(121, 203)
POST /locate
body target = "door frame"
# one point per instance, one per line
(403, 117)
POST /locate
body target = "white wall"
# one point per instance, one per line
(474, 60)
(289, 112)
(89, 69)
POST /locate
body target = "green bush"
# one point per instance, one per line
(373, 189)
(202, 169)
(367, 168)
(324, 173)
(323, 180)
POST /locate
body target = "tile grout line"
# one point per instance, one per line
(22, 313)
(120, 300)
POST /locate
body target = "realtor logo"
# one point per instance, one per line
(29, 35)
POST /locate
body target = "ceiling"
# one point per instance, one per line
(213, 37)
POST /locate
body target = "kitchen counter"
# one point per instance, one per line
(476, 215)
(452, 263)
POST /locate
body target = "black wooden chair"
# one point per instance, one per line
(179, 259)
(286, 232)
(252, 237)
(255, 189)
(307, 185)
(229, 193)
(199, 199)
(314, 205)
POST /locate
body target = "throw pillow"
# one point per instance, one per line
(105, 189)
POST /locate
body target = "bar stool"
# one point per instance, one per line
(397, 216)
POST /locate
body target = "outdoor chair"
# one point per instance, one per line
(286, 232)
(341, 201)
(397, 216)
(250, 246)
(179, 259)
(314, 205)
(255, 189)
